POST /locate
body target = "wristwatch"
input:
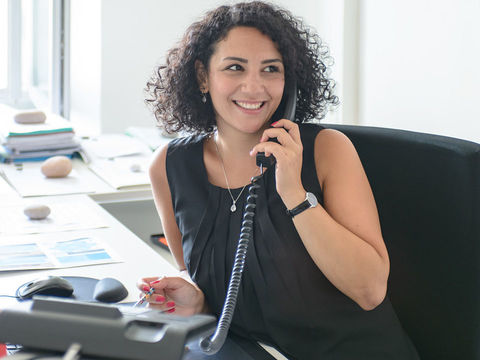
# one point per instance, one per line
(310, 201)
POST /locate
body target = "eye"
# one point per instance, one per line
(234, 67)
(272, 69)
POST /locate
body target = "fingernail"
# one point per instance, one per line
(3, 350)
(160, 298)
(146, 288)
(155, 282)
(171, 303)
(171, 310)
(273, 124)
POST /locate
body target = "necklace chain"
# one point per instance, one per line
(233, 208)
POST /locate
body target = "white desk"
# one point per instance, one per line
(133, 207)
(139, 258)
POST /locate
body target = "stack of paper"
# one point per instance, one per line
(119, 160)
(35, 141)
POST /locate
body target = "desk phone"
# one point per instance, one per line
(100, 330)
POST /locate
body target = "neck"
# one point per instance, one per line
(234, 144)
(233, 157)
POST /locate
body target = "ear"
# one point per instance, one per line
(202, 76)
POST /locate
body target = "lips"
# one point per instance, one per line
(249, 105)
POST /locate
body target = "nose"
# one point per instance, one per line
(253, 83)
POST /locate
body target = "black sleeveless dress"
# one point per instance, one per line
(284, 299)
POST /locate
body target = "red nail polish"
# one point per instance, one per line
(155, 282)
(171, 303)
(171, 310)
(146, 288)
(160, 298)
(273, 124)
(3, 350)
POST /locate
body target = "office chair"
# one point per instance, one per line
(427, 190)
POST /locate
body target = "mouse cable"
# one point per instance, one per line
(10, 296)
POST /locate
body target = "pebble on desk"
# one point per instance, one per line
(56, 167)
(135, 167)
(36, 211)
(30, 117)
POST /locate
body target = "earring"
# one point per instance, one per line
(204, 98)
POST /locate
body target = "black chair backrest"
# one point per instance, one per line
(427, 189)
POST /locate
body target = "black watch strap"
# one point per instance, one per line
(309, 202)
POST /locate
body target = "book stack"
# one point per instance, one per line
(33, 142)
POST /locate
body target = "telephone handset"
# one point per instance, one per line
(290, 104)
(212, 344)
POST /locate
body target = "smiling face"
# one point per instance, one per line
(245, 80)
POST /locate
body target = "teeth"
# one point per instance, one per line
(249, 106)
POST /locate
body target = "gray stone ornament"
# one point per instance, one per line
(30, 117)
(36, 211)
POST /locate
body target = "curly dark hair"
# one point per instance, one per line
(173, 92)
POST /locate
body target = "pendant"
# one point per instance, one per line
(233, 207)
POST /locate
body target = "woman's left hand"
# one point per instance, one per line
(288, 154)
(173, 294)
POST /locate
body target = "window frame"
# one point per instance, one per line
(57, 99)
(12, 93)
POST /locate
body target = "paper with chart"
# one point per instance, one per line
(22, 253)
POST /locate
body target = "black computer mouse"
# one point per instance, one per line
(48, 285)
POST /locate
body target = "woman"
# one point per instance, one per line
(315, 279)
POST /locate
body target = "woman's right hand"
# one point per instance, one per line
(174, 295)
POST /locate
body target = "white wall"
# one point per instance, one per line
(419, 66)
(135, 37)
(404, 64)
(115, 45)
(86, 66)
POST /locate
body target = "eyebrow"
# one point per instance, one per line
(245, 61)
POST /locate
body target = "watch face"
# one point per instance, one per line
(312, 199)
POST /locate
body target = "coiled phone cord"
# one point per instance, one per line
(211, 345)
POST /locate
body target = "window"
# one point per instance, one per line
(31, 54)
(3, 46)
